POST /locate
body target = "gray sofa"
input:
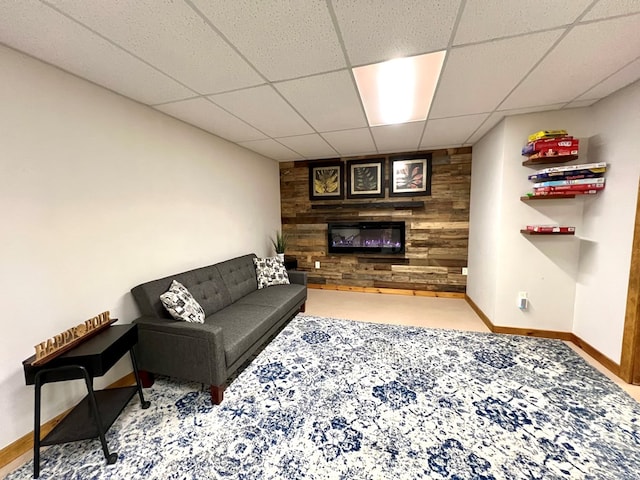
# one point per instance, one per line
(239, 319)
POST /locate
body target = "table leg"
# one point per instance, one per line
(145, 403)
(36, 428)
(110, 457)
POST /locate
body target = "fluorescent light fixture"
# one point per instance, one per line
(400, 90)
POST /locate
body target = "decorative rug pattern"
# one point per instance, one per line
(338, 399)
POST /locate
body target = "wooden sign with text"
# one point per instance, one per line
(68, 339)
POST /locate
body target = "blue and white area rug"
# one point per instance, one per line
(336, 399)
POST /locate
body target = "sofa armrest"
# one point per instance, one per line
(297, 276)
(193, 351)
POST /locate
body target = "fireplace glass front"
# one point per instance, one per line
(366, 237)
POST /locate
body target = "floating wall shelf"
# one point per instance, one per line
(527, 198)
(534, 162)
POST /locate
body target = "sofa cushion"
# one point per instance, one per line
(239, 276)
(242, 326)
(270, 271)
(205, 285)
(181, 305)
(282, 297)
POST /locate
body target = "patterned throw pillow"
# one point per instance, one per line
(270, 271)
(181, 305)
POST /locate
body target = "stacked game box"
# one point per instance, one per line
(584, 179)
(550, 229)
(550, 143)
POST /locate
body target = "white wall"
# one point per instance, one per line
(544, 267)
(575, 284)
(98, 194)
(484, 218)
(607, 231)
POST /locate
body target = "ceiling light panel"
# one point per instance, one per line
(170, 36)
(204, 114)
(351, 142)
(284, 39)
(450, 132)
(584, 58)
(478, 77)
(328, 102)
(380, 30)
(265, 110)
(398, 138)
(482, 20)
(400, 90)
(271, 149)
(309, 146)
(612, 8)
(46, 34)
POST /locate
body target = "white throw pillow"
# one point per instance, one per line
(181, 305)
(270, 271)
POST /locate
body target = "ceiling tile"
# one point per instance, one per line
(496, 67)
(450, 132)
(204, 114)
(580, 103)
(45, 34)
(284, 39)
(485, 127)
(483, 20)
(265, 110)
(328, 102)
(587, 55)
(378, 30)
(271, 149)
(351, 142)
(170, 36)
(495, 117)
(611, 8)
(534, 109)
(618, 80)
(309, 146)
(403, 137)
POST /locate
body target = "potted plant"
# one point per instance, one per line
(280, 244)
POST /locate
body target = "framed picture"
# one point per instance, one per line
(365, 178)
(410, 175)
(326, 180)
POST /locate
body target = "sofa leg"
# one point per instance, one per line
(146, 378)
(303, 307)
(217, 392)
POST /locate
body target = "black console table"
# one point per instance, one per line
(95, 414)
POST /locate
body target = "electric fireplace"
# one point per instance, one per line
(366, 237)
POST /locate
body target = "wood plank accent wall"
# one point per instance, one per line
(436, 235)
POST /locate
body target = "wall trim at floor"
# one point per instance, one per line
(25, 443)
(387, 291)
(605, 361)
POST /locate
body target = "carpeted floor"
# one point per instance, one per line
(337, 399)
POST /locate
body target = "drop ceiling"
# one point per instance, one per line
(275, 76)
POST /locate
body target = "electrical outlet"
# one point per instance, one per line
(523, 300)
(465, 271)
(317, 264)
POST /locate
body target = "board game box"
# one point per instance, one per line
(546, 134)
(550, 229)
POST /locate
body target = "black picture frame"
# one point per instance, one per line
(326, 180)
(365, 178)
(410, 175)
